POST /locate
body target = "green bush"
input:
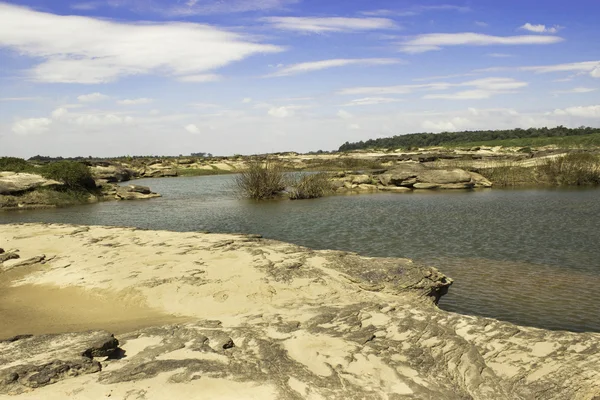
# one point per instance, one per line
(571, 169)
(15, 164)
(311, 187)
(75, 175)
(261, 180)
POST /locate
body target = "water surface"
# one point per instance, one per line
(527, 256)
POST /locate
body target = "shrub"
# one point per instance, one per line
(261, 180)
(571, 169)
(75, 175)
(15, 164)
(311, 187)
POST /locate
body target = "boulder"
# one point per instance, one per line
(112, 173)
(134, 192)
(395, 189)
(16, 182)
(403, 172)
(442, 176)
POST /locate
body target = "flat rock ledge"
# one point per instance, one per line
(270, 320)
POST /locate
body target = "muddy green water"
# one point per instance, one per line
(531, 257)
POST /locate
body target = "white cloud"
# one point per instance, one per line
(206, 7)
(31, 126)
(354, 127)
(191, 128)
(104, 51)
(577, 90)
(329, 24)
(584, 112)
(344, 114)
(247, 100)
(482, 24)
(92, 97)
(479, 88)
(325, 64)
(367, 101)
(60, 113)
(436, 41)
(94, 120)
(595, 72)
(540, 28)
(281, 112)
(135, 102)
(201, 78)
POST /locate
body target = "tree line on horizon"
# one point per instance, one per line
(416, 140)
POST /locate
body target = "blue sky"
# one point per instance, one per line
(169, 77)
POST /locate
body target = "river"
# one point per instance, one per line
(529, 256)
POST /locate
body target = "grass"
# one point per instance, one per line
(44, 197)
(311, 186)
(566, 142)
(261, 180)
(343, 164)
(574, 169)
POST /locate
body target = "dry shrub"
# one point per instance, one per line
(311, 186)
(261, 180)
(574, 169)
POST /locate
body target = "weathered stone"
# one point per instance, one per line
(26, 263)
(426, 185)
(395, 189)
(444, 176)
(8, 256)
(134, 192)
(112, 173)
(479, 181)
(362, 179)
(451, 186)
(385, 179)
(409, 182)
(12, 182)
(367, 188)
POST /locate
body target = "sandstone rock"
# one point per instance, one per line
(426, 185)
(12, 182)
(112, 173)
(480, 181)
(367, 188)
(444, 176)
(8, 256)
(362, 179)
(134, 192)
(341, 326)
(451, 186)
(385, 179)
(395, 189)
(409, 182)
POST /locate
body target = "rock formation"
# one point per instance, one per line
(259, 319)
(14, 182)
(405, 177)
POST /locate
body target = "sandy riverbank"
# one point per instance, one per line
(214, 316)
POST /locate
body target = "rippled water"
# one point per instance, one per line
(527, 256)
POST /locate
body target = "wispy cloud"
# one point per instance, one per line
(135, 102)
(7, 99)
(499, 55)
(104, 51)
(476, 89)
(482, 24)
(540, 28)
(368, 101)
(437, 41)
(417, 10)
(576, 90)
(334, 63)
(92, 97)
(586, 66)
(200, 78)
(329, 24)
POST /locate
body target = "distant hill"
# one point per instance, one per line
(415, 140)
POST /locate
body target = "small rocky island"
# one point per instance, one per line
(100, 312)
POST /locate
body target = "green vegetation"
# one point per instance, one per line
(261, 180)
(564, 142)
(417, 140)
(75, 175)
(343, 164)
(311, 186)
(15, 164)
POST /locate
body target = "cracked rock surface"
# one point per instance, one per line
(261, 319)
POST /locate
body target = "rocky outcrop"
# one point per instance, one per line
(135, 192)
(15, 183)
(112, 173)
(270, 320)
(405, 177)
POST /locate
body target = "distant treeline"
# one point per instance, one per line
(415, 140)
